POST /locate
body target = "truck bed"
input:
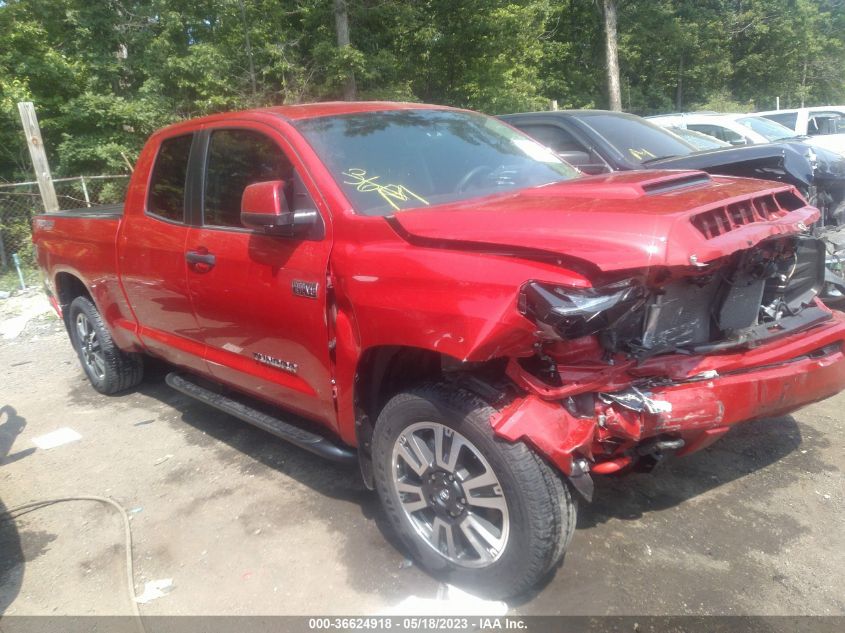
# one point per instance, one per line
(82, 243)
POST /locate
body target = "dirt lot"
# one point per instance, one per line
(245, 524)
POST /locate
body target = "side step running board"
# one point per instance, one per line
(299, 437)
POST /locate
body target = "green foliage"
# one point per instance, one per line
(9, 281)
(481, 54)
(723, 101)
(17, 238)
(104, 74)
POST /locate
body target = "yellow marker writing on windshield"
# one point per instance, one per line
(640, 154)
(390, 193)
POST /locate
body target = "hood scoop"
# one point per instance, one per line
(633, 185)
(684, 181)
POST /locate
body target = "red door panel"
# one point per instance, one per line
(259, 335)
(153, 272)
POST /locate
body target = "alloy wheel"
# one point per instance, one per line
(450, 494)
(90, 347)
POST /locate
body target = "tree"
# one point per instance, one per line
(248, 45)
(614, 93)
(105, 74)
(480, 54)
(341, 24)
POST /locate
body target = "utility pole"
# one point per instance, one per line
(39, 157)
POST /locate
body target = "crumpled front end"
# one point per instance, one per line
(669, 361)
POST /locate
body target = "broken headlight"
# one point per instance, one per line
(575, 312)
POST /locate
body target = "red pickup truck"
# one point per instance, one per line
(434, 295)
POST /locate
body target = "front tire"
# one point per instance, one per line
(472, 509)
(108, 367)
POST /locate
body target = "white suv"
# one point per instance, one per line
(825, 125)
(736, 129)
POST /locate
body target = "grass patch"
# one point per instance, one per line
(9, 278)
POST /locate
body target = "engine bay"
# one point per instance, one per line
(751, 296)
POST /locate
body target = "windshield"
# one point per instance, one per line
(395, 160)
(699, 140)
(771, 130)
(639, 140)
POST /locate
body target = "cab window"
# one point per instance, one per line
(167, 183)
(237, 159)
(821, 123)
(553, 137)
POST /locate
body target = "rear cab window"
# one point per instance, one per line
(166, 198)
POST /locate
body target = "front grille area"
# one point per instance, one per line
(741, 300)
(759, 289)
(715, 222)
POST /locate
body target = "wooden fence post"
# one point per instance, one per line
(39, 157)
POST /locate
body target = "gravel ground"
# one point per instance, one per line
(245, 524)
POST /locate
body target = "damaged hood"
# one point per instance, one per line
(785, 162)
(620, 221)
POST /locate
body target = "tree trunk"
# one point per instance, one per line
(612, 51)
(341, 24)
(248, 49)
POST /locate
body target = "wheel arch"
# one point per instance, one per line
(68, 286)
(385, 370)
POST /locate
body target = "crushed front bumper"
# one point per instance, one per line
(698, 402)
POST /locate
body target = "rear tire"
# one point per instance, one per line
(518, 515)
(109, 369)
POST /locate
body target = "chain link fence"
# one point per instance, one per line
(20, 201)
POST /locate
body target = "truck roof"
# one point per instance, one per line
(837, 108)
(307, 111)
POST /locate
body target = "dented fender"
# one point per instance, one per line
(549, 428)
